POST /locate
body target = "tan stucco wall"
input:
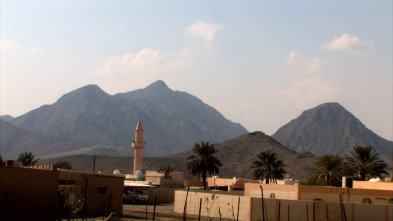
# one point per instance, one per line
(235, 183)
(166, 183)
(280, 191)
(331, 194)
(373, 185)
(212, 202)
(193, 183)
(164, 195)
(174, 175)
(28, 194)
(98, 204)
(325, 193)
(298, 209)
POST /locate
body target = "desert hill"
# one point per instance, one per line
(329, 129)
(236, 156)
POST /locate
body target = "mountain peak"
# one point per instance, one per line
(328, 129)
(158, 85)
(90, 91)
(331, 105)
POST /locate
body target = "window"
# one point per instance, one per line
(366, 200)
(272, 196)
(390, 201)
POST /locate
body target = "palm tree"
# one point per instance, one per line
(363, 161)
(203, 161)
(27, 159)
(166, 170)
(329, 168)
(63, 165)
(268, 167)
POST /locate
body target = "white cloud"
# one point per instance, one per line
(36, 50)
(186, 51)
(298, 63)
(201, 29)
(310, 92)
(147, 61)
(7, 45)
(349, 43)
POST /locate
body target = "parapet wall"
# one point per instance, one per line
(373, 185)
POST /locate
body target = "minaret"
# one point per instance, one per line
(138, 144)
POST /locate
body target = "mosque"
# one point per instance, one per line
(150, 178)
(138, 145)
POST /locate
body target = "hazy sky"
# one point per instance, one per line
(260, 63)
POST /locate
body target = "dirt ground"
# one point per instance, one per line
(143, 212)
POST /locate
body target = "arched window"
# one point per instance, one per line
(366, 200)
(272, 196)
(390, 201)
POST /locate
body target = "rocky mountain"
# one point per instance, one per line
(236, 156)
(15, 140)
(173, 121)
(329, 129)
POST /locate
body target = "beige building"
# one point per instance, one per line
(48, 194)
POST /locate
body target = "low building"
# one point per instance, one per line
(47, 194)
(319, 193)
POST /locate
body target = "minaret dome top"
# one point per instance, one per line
(139, 126)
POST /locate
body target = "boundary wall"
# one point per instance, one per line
(216, 202)
(318, 193)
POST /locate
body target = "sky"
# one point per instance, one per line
(259, 63)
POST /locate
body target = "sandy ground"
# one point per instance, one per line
(162, 212)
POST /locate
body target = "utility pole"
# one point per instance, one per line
(94, 163)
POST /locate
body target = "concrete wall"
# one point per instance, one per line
(373, 185)
(235, 183)
(213, 203)
(276, 209)
(319, 211)
(166, 183)
(317, 193)
(164, 195)
(104, 192)
(174, 175)
(28, 194)
(193, 183)
(277, 191)
(331, 194)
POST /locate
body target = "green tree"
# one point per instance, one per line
(27, 159)
(63, 165)
(329, 168)
(203, 161)
(312, 180)
(166, 170)
(364, 161)
(268, 167)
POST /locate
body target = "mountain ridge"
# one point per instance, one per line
(173, 120)
(235, 154)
